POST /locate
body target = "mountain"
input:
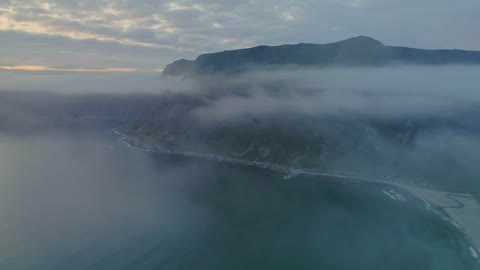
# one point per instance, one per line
(357, 51)
(179, 67)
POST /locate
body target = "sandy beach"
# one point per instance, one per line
(462, 210)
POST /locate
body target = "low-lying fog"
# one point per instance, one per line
(419, 119)
(389, 92)
(70, 198)
(81, 179)
(83, 200)
(88, 82)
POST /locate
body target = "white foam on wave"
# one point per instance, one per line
(473, 252)
(397, 195)
(389, 195)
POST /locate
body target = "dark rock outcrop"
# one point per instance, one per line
(357, 51)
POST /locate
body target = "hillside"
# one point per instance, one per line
(357, 51)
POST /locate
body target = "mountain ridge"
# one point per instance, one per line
(356, 51)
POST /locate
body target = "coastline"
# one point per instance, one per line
(289, 172)
(432, 199)
(460, 214)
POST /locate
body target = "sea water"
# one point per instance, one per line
(84, 200)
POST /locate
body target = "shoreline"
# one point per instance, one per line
(431, 203)
(461, 215)
(289, 172)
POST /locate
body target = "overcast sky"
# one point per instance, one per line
(139, 35)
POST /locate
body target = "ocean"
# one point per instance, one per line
(85, 200)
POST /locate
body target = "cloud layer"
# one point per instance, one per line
(150, 33)
(395, 92)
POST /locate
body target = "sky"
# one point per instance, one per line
(118, 36)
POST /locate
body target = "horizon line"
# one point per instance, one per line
(38, 68)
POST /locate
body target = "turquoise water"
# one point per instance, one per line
(84, 201)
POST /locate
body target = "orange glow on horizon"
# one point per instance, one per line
(46, 68)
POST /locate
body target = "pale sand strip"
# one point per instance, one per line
(463, 211)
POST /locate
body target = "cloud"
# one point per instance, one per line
(148, 32)
(380, 93)
(408, 122)
(38, 50)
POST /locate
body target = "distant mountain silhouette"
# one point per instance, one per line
(357, 51)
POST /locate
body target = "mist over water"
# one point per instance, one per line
(70, 200)
(73, 197)
(227, 135)
(91, 82)
(409, 122)
(82, 200)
